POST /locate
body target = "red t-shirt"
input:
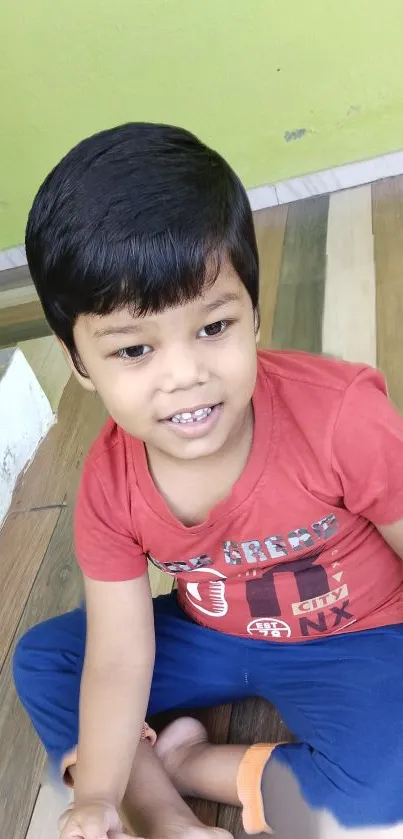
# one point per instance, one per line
(292, 553)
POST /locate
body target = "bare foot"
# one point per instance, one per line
(179, 743)
(194, 832)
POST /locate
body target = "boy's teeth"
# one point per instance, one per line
(194, 416)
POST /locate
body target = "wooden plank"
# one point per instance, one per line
(387, 198)
(16, 296)
(52, 800)
(299, 310)
(45, 483)
(15, 278)
(252, 721)
(18, 323)
(57, 589)
(49, 364)
(270, 227)
(349, 321)
(23, 542)
(160, 583)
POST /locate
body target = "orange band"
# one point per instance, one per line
(249, 784)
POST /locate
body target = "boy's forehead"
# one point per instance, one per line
(226, 289)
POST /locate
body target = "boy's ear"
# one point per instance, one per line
(257, 325)
(80, 375)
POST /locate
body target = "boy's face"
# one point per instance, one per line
(181, 380)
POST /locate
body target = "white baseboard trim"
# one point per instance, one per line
(25, 418)
(330, 180)
(283, 192)
(12, 258)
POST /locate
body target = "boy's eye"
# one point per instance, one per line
(214, 328)
(138, 351)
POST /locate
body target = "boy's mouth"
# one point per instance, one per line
(194, 420)
(198, 415)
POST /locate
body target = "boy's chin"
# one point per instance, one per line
(188, 449)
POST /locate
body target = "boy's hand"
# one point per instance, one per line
(97, 820)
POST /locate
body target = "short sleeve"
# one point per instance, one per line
(368, 450)
(105, 544)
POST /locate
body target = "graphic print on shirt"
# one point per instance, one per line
(211, 601)
(177, 567)
(319, 609)
(311, 579)
(322, 605)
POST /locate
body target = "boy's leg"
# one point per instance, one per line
(47, 666)
(217, 773)
(47, 670)
(189, 672)
(343, 698)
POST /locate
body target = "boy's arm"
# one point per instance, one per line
(393, 535)
(115, 686)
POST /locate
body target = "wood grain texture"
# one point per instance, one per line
(23, 542)
(21, 314)
(14, 278)
(57, 589)
(299, 309)
(48, 362)
(270, 227)
(49, 584)
(17, 296)
(21, 322)
(45, 483)
(52, 800)
(160, 583)
(349, 320)
(387, 197)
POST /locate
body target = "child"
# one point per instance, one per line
(270, 484)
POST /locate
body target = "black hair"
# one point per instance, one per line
(140, 215)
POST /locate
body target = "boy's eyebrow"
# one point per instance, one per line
(117, 330)
(130, 328)
(229, 297)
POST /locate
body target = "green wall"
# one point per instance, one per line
(240, 73)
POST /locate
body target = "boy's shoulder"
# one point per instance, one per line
(296, 369)
(319, 387)
(109, 439)
(109, 458)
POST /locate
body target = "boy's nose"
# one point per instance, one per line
(182, 369)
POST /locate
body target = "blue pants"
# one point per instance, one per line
(341, 696)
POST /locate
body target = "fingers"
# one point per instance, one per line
(91, 821)
(93, 829)
(88, 832)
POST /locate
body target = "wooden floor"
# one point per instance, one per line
(332, 281)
